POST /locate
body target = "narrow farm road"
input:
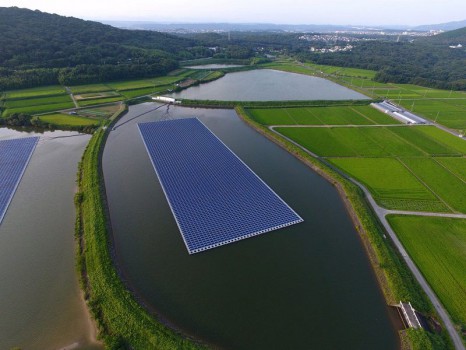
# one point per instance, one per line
(69, 92)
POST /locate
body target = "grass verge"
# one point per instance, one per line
(121, 321)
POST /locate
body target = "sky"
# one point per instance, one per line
(362, 12)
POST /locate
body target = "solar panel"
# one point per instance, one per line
(216, 199)
(14, 157)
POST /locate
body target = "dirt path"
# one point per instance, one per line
(69, 92)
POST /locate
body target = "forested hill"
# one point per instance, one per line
(452, 37)
(38, 48)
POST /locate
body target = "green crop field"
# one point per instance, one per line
(100, 101)
(47, 100)
(272, 116)
(456, 166)
(375, 115)
(444, 183)
(399, 165)
(66, 119)
(96, 95)
(88, 88)
(343, 71)
(38, 109)
(35, 92)
(441, 136)
(99, 112)
(450, 113)
(339, 115)
(423, 141)
(352, 141)
(145, 91)
(391, 183)
(367, 84)
(331, 142)
(438, 247)
(146, 83)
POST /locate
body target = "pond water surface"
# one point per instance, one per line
(308, 286)
(40, 300)
(269, 85)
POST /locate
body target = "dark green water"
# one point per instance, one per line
(269, 85)
(40, 299)
(308, 286)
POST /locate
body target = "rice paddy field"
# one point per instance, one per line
(417, 168)
(61, 119)
(47, 99)
(338, 115)
(438, 247)
(36, 100)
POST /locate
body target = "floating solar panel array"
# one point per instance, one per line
(215, 198)
(14, 157)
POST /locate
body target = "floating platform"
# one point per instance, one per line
(216, 199)
(14, 158)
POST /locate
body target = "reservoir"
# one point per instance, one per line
(40, 299)
(307, 286)
(269, 85)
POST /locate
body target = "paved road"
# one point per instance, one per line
(381, 213)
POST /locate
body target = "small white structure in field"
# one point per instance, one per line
(165, 99)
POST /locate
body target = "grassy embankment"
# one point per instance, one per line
(121, 321)
(395, 278)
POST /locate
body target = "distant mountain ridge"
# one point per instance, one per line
(246, 27)
(442, 26)
(265, 27)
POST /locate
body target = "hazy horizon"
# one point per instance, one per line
(298, 12)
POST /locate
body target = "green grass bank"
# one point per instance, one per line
(122, 323)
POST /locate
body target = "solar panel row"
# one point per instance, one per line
(14, 157)
(215, 198)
